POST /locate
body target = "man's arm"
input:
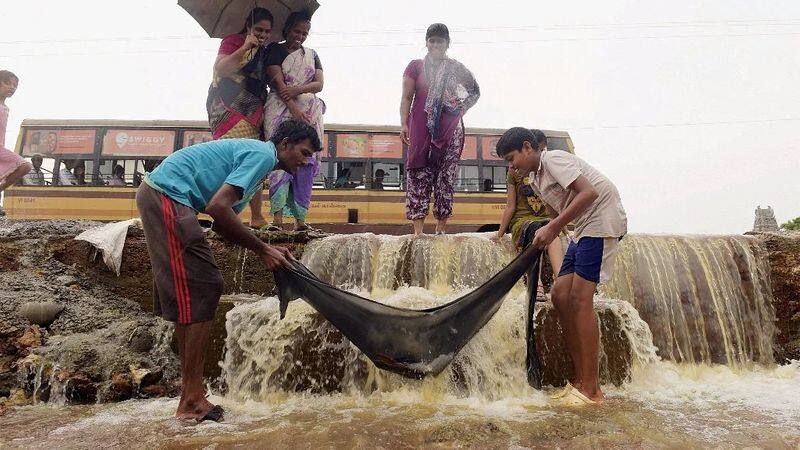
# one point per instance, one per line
(585, 195)
(226, 223)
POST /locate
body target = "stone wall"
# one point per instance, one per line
(784, 260)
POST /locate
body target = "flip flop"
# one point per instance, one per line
(307, 228)
(562, 392)
(576, 398)
(216, 414)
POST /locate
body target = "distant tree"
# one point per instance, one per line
(793, 225)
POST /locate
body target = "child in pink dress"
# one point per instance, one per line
(12, 166)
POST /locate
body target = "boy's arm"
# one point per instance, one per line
(585, 195)
(508, 213)
(552, 214)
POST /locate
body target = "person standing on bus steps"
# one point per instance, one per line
(217, 178)
(295, 77)
(576, 192)
(437, 92)
(12, 166)
(237, 93)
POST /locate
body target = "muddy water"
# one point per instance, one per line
(666, 405)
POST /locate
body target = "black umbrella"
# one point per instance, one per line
(221, 18)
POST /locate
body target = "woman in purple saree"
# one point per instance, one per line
(295, 75)
(437, 92)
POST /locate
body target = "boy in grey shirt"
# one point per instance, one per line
(578, 193)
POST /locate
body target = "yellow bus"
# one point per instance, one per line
(81, 156)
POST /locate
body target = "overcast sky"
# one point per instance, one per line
(691, 108)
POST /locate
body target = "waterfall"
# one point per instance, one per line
(303, 352)
(707, 299)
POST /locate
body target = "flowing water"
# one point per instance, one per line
(696, 328)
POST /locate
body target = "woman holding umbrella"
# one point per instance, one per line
(295, 75)
(239, 89)
(441, 91)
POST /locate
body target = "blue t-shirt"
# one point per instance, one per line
(191, 176)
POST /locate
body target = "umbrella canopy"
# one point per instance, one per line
(221, 18)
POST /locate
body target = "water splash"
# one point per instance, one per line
(265, 355)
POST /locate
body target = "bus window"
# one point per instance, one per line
(557, 143)
(106, 170)
(322, 177)
(144, 166)
(73, 172)
(349, 175)
(467, 179)
(125, 174)
(385, 176)
(497, 175)
(43, 176)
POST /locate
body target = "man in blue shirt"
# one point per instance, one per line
(217, 178)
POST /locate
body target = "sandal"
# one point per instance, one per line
(216, 414)
(307, 228)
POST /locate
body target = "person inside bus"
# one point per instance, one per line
(377, 181)
(488, 185)
(238, 91)
(118, 176)
(80, 172)
(295, 77)
(36, 176)
(437, 92)
(12, 166)
(343, 180)
(65, 175)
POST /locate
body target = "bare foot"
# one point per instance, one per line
(257, 222)
(595, 396)
(193, 409)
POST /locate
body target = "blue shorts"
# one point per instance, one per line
(591, 258)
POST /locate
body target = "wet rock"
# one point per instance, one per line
(41, 313)
(32, 338)
(80, 390)
(12, 399)
(9, 335)
(121, 388)
(162, 389)
(784, 259)
(143, 377)
(141, 341)
(155, 391)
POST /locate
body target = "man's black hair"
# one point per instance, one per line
(295, 131)
(513, 139)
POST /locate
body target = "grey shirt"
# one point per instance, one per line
(605, 217)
